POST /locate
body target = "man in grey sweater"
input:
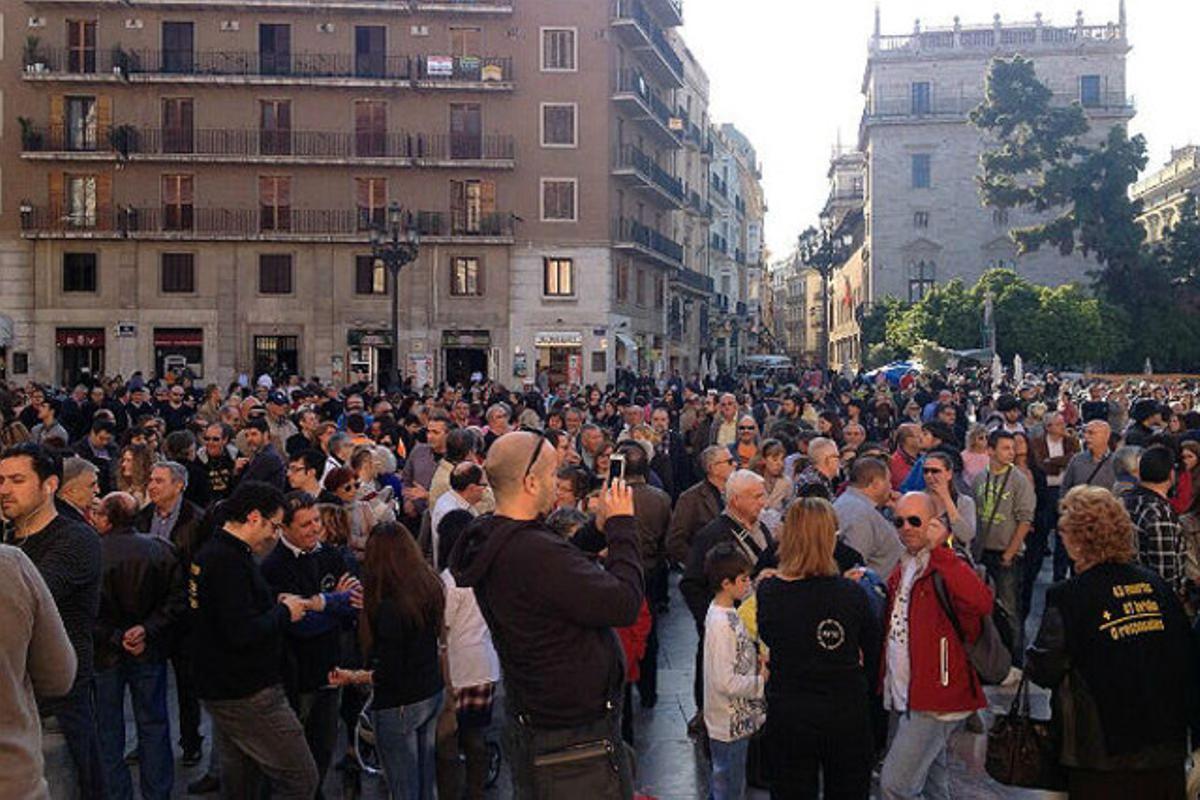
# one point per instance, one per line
(860, 524)
(35, 656)
(1005, 501)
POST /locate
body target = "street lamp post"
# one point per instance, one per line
(395, 243)
(823, 249)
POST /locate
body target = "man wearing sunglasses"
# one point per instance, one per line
(929, 684)
(551, 611)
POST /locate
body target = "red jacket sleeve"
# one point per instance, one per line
(967, 591)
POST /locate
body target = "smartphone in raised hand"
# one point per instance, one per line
(616, 468)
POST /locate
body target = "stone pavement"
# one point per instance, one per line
(671, 767)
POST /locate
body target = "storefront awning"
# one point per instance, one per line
(628, 341)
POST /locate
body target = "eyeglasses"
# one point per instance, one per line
(750, 428)
(913, 522)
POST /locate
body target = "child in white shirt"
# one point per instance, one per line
(733, 677)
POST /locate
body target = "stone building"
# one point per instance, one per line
(194, 185)
(1163, 191)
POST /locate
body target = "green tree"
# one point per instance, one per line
(1180, 250)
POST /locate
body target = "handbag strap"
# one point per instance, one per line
(1020, 703)
(1103, 461)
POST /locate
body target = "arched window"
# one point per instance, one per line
(921, 279)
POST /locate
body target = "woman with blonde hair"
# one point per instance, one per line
(824, 642)
(1114, 649)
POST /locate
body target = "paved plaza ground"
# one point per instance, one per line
(672, 767)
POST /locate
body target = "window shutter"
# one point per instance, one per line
(458, 204)
(104, 200)
(58, 130)
(56, 197)
(103, 120)
(487, 197)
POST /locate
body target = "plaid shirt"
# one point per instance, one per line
(1159, 535)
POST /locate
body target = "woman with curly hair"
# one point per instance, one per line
(1114, 649)
(132, 471)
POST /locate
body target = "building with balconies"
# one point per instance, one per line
(924, 221)
(194, 185)
(1164, 191)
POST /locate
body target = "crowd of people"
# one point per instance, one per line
(318, 566)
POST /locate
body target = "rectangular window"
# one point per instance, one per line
(599, 361)
(178, 47)
(370, 128)
(465, 41)
(274, 203)
(639, 287)
(466, 130)
(559, 277)
(81, 45)
(274, 49)
(1089, 91)
(920, 219)
(558, 50)
(370, 275)
(659, 291)
(558, 199)
(466, 276)
(81, 201)
(472, 207)
(275, 127)
(177, 125)
(82, 123)
(622, 282)
(177, 193)
(177, 273)
(558, 125)
(920, 98)
(920, 280)
(275, 273)
(921, 178)
(79, 272)
(370, 199)
(370, 51)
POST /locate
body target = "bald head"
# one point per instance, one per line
(508, 462)
(120, 508)
(917, 504)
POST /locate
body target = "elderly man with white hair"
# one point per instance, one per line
(819, 478)
(738, 524)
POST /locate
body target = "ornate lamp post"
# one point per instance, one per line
(823, 249)
(395, 243)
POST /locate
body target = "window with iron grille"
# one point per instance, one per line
(178, 273)
(79, 272)
(558, 199)
(558, 125)
(275, 273)
(558, 50)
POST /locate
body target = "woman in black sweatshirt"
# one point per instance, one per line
(824, 643)
(402, 617)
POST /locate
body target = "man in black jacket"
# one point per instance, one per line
(174, 519)
(264, 464)
(301, 565)
(98, 448)
(237, 630)
(551, 611)
(141, 597)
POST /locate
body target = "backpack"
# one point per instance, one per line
(991, 653)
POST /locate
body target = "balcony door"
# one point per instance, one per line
(370, 128)
(472, 206)
(370, 51)
(275, 128)
(178, 46)
(275, 49)
(81, 124)
(466, 130)
(177, 119)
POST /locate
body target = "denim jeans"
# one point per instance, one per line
(915, 766)
(406, 738)
(147, 684)
(1008, 596)
(75, 718)
(728, 769)
(318, 713)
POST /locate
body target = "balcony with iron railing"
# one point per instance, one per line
(192, 66)
(232, 145)
(718, 185)
(629, 234)
(718, 243)
(693, 135)
(669, 12)
(1022, 36)
(693, 280)
(644, 172)
(187, 222)
(698, 206)
(631, 20)
(957, 107)
(635, 95)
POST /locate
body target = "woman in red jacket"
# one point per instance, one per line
(928, 683)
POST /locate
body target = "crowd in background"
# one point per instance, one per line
(308, 559)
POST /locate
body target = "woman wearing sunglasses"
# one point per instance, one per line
(956, 510)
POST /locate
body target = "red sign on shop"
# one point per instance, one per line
(75, 337)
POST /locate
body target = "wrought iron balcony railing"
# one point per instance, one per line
(632, 231)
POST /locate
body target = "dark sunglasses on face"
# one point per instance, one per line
(212, 438)
(747, 428)
(932, 471)
(913, 522)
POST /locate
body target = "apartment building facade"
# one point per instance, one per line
(194, 184)
(1164, 191)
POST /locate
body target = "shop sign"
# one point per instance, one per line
(178, 337)
(77, 337)
(369, 338)
(558, 339)
(126, 330)
(466, 339)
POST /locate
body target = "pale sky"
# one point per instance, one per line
(789, 72)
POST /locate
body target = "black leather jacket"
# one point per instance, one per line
(141, 583)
